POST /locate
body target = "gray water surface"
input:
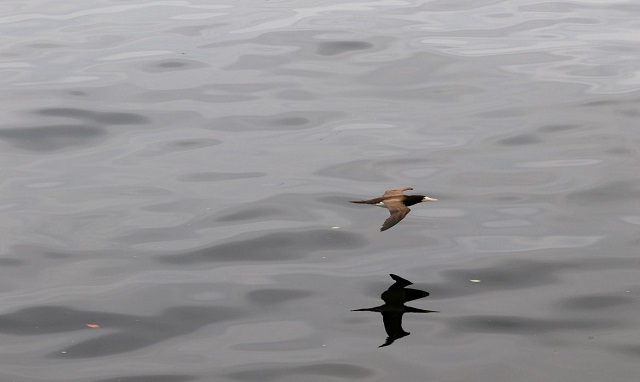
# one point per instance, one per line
(176, 177)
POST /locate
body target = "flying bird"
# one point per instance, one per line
(397, 203)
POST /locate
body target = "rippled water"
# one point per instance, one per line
(176, 178)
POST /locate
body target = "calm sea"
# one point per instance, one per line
(175, 178)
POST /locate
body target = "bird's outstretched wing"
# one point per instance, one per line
(370, 201)
(397, 210)
(396, 192)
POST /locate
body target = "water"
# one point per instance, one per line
(176, 178)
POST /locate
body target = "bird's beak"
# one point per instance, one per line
(428, 199)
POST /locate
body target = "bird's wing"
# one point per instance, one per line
(397, 210)
(370, 201)
(396, 192)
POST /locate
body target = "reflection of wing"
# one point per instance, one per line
(399, 281)
(393, 326)
(397, 210)
(395, 192)
(414, 294)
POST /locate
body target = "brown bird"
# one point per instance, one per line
(397, 203)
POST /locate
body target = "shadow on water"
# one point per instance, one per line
(394, 308)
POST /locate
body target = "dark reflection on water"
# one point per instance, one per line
(182, 145)
(118, 333)
(365, 170)
(333, 370)
(217, 176)
(522, 139)
(510, 275)
(151, 378)
(616, 191)
(270, 297)
(278, 122)
(52, 137)
(629, 350)
(523, 325)
(275, 246)
(333, 48)
(394, 308)
(525, 274)
(11, 262)
(172, 65)
(251, 214)
(105, 118)
(592, 303)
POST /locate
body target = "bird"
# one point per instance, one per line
(397, 203)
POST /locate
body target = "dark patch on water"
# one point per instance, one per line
(370, 170)
(78, 93)
(502, 113)
(44, 45)
(519, 140)
(282, 121)
(104, 118)
(505, 179)
(170, 65)
(419, 68)
(559, 128)
(510, 275)
(189, 144)
(306, 44)
(276, 296)
(327, 369)
(217, 176)
(596, 302)
(436, 93)
(257, 62)
(194, 30)
(150, 378)
(297, 95)
(11, 262)
(271, 247)
(334, 48)
(170, 147)
(256, 213)
(52, 137)
(629, 350)
(521, 325)
(131, 332)
(615, 191)
(201, 94)
(283, 206)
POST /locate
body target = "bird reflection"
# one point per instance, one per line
(394, 307)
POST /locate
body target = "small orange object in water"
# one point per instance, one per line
(93, 326)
